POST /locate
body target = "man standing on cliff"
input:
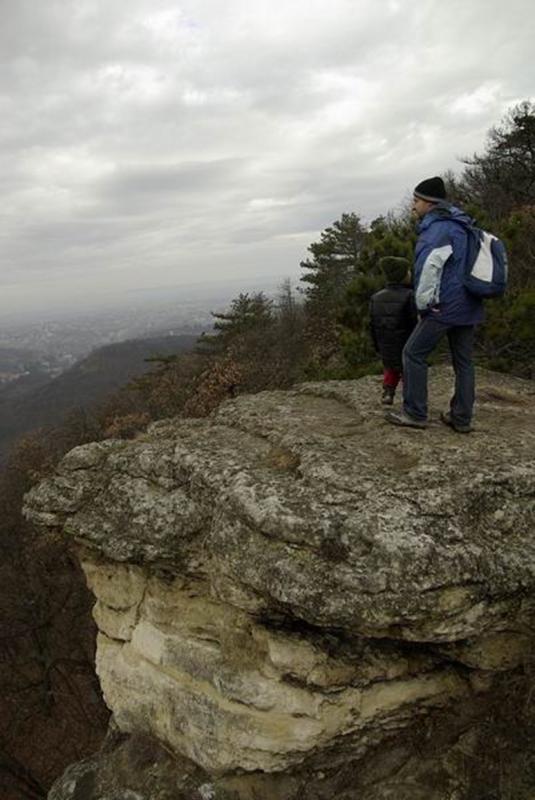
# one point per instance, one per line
(445, 306)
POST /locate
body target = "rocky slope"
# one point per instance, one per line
(296, 599)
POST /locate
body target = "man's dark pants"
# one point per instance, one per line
(420, 345)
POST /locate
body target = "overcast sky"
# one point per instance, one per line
(152, 142)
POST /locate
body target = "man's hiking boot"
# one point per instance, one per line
(447, 419)
(388, 395)
(404, 419)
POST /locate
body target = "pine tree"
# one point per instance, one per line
(333, 263)
(246, 313)
(328, 274)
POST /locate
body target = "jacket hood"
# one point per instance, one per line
(444, 211)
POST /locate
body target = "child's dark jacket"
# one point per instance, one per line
(392, 320)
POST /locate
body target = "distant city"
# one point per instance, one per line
(50, 345)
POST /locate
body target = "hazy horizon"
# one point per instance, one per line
(203, 293)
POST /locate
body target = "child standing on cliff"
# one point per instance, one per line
(392, 320)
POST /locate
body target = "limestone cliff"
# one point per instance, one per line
(293, 593)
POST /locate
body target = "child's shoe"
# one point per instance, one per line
(388, 395)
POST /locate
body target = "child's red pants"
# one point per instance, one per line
(391, 377)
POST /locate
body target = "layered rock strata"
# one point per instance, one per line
(293, 584)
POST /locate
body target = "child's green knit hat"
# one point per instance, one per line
(394, 268)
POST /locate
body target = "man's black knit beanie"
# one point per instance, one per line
(432, 189)
(394, 269)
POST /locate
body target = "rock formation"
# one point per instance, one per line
(296, 599)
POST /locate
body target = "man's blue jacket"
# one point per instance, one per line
(439, 268)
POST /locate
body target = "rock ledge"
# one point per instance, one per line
(291, 583)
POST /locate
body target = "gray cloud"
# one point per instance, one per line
(146, 143)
